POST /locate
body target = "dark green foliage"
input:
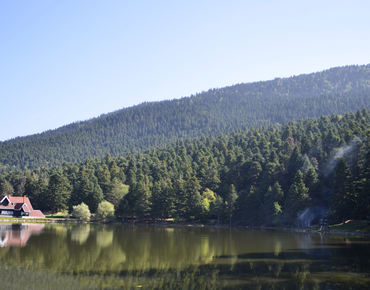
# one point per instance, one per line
(36, 186)
(58, 191)
(294, 164)
(297, 198)
(342, 198)
(252, 208)
(363, 200)
(217, 206)
(271, 205)
(6, 188)
(255, 176)
(158, 124)
(87, 189)
(117, 191)
(104, 179)
(231, 202)
(143, 202)
(194, 200)
(311, 182)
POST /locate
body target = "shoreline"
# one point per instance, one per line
(161, 224)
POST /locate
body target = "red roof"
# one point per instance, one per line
(21, 199)
(36, 214)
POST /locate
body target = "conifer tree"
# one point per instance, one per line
(271, 208)
(310, 180)
(86, 190)
(143, 198)
(295, 163)
(342, 201)
(6, 188)
(95, 195)
(117, 192)
(212, 179)
(181, 197)
(58, 192)
(36, 187)
(231, 202)
(158, 208)
(254, 173)
(217, 207)
(168, 198)
(363, 199)
(104, 179)
(297, 199)
(267, 208)
(252, 207)
(194, 199)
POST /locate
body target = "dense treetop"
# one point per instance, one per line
(270, 175)
(157, 124)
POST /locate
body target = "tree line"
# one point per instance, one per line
(157, 124)
(268, 175)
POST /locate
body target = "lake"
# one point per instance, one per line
(70, 256)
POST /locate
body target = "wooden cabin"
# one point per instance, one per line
(18, 206)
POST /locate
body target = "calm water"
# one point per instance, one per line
(129, 257)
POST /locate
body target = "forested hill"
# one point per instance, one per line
(150, 125)
(295, 173)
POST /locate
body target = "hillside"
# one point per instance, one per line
(157, 124)
(295, 173)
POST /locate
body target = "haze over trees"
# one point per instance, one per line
(268, 175)
(158, 124)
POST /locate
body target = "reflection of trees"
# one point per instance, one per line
(299, 273)
(104, 237)
(171, 258)
(80, 233)
(164, 248)
(278, 247)
(277, 268)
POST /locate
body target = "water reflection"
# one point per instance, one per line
(80, 233)
(125, 257)
(17, 235)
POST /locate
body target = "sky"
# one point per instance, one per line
(66, 61)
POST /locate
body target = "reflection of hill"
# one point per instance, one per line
(17, 235)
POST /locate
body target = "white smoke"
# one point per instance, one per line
(342, 151)
(306, 163)
(305, 218)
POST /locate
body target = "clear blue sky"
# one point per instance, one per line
(64, 61)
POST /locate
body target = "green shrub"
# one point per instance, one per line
(81, 212)
(105, 211)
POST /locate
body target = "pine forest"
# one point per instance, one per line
(157, 125)
(289, 173)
